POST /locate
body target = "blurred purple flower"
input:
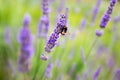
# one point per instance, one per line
(72, 69)
(61, 6)
(43, 26)
(110, 62)
(78, 77)
(58, 63)
(25, 37)
(99, 32)
(26, 20)
(45, 7)
(25, 59)
(26, 49)
(48, 70)
(72, 53)
(107, 14)
(96, 10)
(55, 35)
(83, 23)
(97, 73)
(116, 19)
(44, 22)
(101, 49)
(7, 36)
(116, 75)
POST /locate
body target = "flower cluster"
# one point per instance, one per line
(99, 32)
(96, 10)
(117, 75)
(55, 35)
(106, 17)
(45, 7)
(97, 73)
(48, 70)
(26, 50)
(107, 14)
(43, 24)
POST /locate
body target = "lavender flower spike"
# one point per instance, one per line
(99, 32)
(43, 24)
(26, 20)
(97, 73)
(96, 10)
(7, 36)
(26, 49)
(107, 14)
(55, 35)
(116, 75)
(48, 70)
(45, 7)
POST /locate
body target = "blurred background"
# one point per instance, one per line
(79, 55)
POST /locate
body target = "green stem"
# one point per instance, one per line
(91, 48)
(37, 65)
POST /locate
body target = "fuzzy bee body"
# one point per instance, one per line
(64, 30)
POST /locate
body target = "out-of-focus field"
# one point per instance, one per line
(66, 56)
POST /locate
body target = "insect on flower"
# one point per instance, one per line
(64, 30)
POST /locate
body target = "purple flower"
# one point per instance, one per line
(26, 49)
(107, 14)
(48, 70)
(96, 10)
(26, 20)
(116, 75)
(7, 36)
(78, 77)
(55, 35)
(72, 69)
(43, 26)
(110, 62)
(117, 19)
(25, 37)
(25, 59)
(83, 24)
(45, 7)
(99, 32)
(97, 73)
(61, 6)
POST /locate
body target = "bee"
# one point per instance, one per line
(64, 30)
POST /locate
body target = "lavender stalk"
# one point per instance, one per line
(96, 10)
(55, 35)
(26, 49)
(48, 70)
(97, 73)
(107, 15)
(43, 24)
